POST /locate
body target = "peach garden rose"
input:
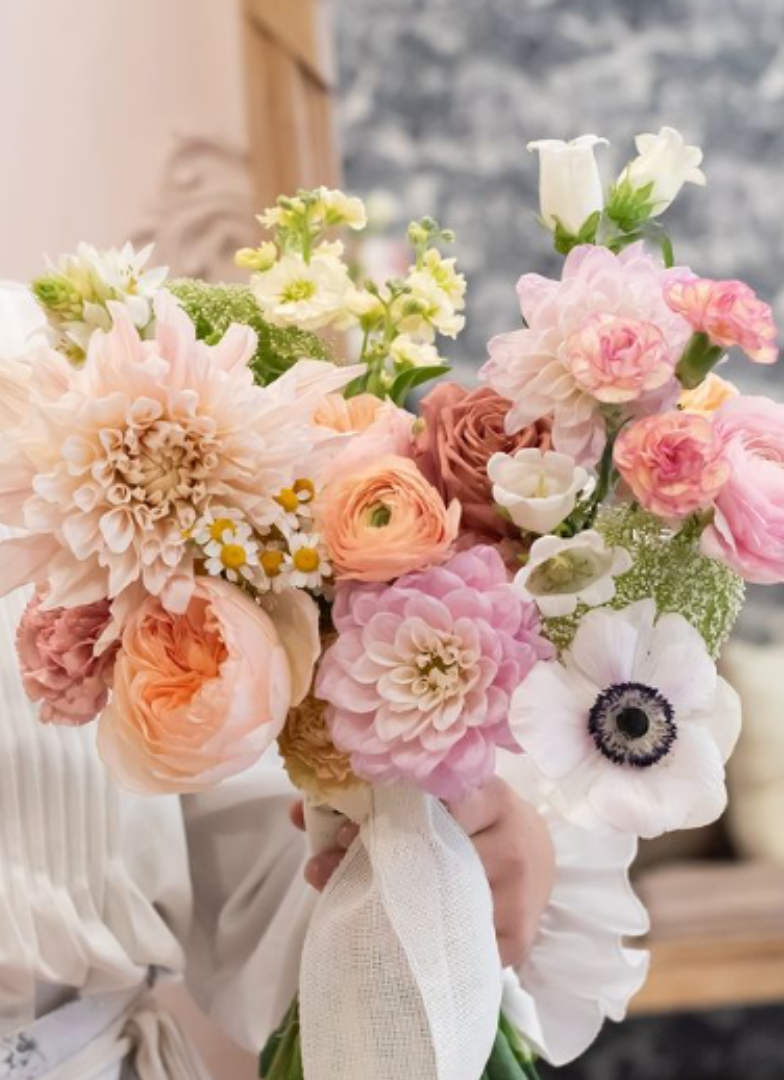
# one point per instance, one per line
(385, 520)
(196, 697)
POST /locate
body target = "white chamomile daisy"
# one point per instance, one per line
(307, 561)
(232, 552)
(633, 727)
(295, 501)
(272, 573)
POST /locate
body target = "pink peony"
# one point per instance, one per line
(116, 460)
(674, 463)
(559, 365)
(462, 430)
(57, 657)
(748, 529)
(728, 313)
(197, 697)
(419, 680)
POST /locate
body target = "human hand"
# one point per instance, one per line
(514, 845)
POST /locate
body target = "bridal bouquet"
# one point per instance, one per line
(235, 540)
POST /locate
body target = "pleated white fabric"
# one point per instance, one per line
(97, 886)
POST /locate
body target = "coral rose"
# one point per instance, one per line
(748, 528)
(386, 520)
(197, 697)
(674, 463)
(728, 313)
(462, 431)
(58, 661)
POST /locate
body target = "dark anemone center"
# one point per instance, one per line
(633, 724)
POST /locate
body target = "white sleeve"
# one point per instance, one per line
(579, 972)
(251, 903)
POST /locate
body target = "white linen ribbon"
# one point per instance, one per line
(400, 973)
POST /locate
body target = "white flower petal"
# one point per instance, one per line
(548, 719)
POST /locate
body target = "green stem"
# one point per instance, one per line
(699, 358)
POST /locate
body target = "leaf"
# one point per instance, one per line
(409, 380)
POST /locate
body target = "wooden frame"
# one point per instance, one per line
(290, 79)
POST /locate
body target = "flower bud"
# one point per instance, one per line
(570, 186)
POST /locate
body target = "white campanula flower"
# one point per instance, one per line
(633, 726)
(538, 488)
(666, 162)
(570, 186)
(562, 573)
(309, 295)
(307, 561)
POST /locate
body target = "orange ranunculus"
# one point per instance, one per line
(196, 697)
(385, 520)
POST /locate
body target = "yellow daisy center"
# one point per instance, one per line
(306, 560)
(271, 562)
(287, 498)
(305, 489)
(233, 556)
(219, 527)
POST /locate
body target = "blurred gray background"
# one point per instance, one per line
(438, 100)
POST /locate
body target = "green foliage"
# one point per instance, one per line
(213, 308)
(629, 206)
(669, 568)
(564, 240)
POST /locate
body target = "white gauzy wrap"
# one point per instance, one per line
(401, 975)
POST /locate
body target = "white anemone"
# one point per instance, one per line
(633, 727)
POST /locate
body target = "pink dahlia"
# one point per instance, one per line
(604, 334)
(58, 661)
(115, 461)
(728, 313)
(419, 681)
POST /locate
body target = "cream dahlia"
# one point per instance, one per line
(116, 462)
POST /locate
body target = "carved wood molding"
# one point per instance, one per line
(204, 209)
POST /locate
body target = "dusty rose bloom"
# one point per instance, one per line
(463, 429)
(58, 662)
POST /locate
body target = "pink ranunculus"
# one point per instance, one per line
(675, 463)
(729, 313)
(196, 697)
(419, 681)
(532, 367)
(58, 661)
(618, 360)
(748, 528)
(462, 430)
